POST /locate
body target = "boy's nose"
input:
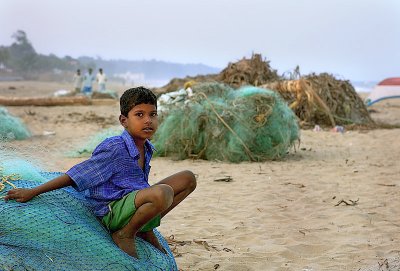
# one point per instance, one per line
(148, 119)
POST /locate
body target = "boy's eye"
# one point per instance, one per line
(154, 114)
(139, 114)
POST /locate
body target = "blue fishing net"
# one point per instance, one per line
(58, 231)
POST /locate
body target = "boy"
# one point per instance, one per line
(115, 179)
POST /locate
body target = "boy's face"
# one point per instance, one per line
(142, 121)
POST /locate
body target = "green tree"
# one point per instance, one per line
(22, 54)
(4, 55)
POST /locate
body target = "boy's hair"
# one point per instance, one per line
(135, 96)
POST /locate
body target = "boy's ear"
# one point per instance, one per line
(123, 120)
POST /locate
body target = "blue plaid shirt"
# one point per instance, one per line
(112, 172)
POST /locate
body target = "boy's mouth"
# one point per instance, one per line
(148, 129)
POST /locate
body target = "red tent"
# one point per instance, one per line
(386, 89)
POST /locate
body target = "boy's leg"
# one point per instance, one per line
(183, 183)
(149, 202)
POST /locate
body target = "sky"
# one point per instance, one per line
(356, 40)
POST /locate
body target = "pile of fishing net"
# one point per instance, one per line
(58, 231)
(322, 99)
(91, 143)
(12, 127)
(220, 123)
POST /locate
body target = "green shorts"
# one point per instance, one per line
(121, 212)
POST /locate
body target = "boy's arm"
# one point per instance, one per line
(24, 195)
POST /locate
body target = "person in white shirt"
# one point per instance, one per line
(101, 80)
(78, 79)
(88, 78)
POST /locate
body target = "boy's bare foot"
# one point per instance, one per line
(150, 237)
(125, 243)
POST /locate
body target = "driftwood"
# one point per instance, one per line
(44, 101)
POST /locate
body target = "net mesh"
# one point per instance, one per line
(12, 127)
(219, 123)
(91, 143)
(58, 231)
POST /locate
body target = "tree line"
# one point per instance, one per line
(21, 59)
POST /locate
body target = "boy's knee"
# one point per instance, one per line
(162, 196)
(191, 180)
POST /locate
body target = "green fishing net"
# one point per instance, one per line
(91, 143)
(11, 127)
(220, 123)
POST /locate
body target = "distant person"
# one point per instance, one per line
(78, 79)
(88, 79)
(101, 79)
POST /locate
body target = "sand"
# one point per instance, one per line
(332, 204)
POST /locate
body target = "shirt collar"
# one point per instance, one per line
(130, 143)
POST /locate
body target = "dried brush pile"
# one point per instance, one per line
(323, 100)
(254, 71)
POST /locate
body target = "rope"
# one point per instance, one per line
(5, 179)
(248, 152)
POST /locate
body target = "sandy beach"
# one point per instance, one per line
(331, 204)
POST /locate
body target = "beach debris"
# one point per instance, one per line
(30, 112)
(205, 245)
(384, 264)
(338, 129)
(390, 185)
(63, 93)
(224, 179)
(172, 241)
(348, 203)
(47, 133)
(305, 231)
(299, 185)
(178, 97)
(317, 128)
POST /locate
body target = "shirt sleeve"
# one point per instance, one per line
(95, 171)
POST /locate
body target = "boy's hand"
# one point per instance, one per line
(20, 195)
